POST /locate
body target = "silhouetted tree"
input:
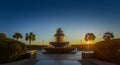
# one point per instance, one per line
(30, 37)
(17, 36)
(3, 35)
(89, 37)
(108, 36)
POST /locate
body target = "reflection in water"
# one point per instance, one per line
(76, 56)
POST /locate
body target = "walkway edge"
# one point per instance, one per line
(19, 62)
(100, 62)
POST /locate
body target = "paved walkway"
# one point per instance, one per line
(58, 62)
(59, 59)
(100, 62)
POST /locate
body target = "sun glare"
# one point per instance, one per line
(89, 42)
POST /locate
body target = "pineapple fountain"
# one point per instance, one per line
(59, 45)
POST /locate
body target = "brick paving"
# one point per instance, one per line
(58, 62)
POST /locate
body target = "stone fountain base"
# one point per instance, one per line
(59, 50)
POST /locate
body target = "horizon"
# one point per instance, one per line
(44, 42)
(75, 17)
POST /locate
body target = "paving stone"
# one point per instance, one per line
(58, 62)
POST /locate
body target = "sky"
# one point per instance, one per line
(75, 17)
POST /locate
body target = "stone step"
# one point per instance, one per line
(59, 57)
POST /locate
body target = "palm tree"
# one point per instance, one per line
(17, 36)
(108, 36)
(3, 35)
(89, 37)
(30, 37)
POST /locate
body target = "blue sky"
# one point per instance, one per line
(75, 17)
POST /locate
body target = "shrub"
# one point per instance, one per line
(106, 50)
(118, 56)
(11, 50)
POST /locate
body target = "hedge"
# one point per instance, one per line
(11, 50)
(107, 50)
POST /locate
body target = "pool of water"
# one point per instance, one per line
(41, 56)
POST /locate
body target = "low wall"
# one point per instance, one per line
(88, 55)
(31, 54)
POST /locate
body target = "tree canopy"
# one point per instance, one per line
(17, 36)
(30, 37)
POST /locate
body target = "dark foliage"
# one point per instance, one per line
(107, 50)
(3, 35)
(11, 50)
(30, 37)
(118, 56)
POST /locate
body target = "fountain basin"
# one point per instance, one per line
(60, 50)
(59, 44)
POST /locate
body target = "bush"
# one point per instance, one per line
(11, 50)
(106, 50)
(118, 56)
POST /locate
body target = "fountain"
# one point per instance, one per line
(59, 45)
